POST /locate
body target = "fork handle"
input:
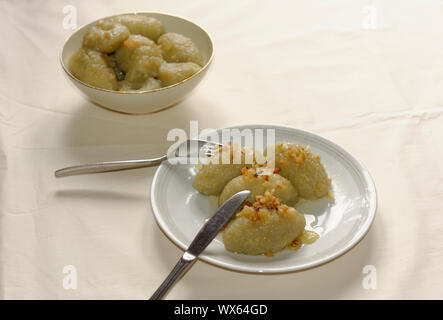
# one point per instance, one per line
(182, 265)
(108, 166)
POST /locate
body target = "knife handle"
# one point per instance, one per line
(182, 265)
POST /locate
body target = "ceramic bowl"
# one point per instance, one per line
(144, 101)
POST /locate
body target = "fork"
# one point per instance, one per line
(108, 166)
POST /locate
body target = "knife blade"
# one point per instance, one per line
(203, 238)
(213, 226)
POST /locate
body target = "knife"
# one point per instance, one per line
(203, 238)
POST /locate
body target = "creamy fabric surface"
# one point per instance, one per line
(372, 86)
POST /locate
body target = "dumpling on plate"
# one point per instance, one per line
(105, 36)
(222, 167)
(92, 68)
(302, 168)
(179, 48)
(258, 180)
(264, 227)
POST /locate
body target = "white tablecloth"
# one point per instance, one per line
(366, 74)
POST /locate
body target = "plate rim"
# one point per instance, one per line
(358, 236)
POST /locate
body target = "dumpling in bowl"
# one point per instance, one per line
(178, 48)
(265, 227)
(258, 180)
(105, 36)
(172, 73)
(92, 68)
(139, 57)
(302, 168)
(138, 24)
(146, 85)
(221, 168)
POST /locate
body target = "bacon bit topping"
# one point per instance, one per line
(277, 170)
(296, 152)
(253, 213)
(263, 206)
(297, 157)
(249, 204)
(284, 210)
(257, 172)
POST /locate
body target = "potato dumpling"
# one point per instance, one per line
(139, 57)
(221, 168)
(146, 26)
(171, 73)
(265, 227)
(149, 84)
(132, 56)
(258, 180)
(105, 36)
(302, 168)
(178, 48)
(91, 67)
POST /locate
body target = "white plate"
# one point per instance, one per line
(180, 210)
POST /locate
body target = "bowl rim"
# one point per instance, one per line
(66, 69)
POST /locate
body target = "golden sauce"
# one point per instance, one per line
(269, 254)
(295, 245)
(307, 237)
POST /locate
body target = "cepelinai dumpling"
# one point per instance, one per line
(171, 73)
(139, 57)
(264, 227)
(302, 168)
(92, 68)
(105, 36)
(258, 180)
(222, 168)
(178, 48)
(138, 24)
